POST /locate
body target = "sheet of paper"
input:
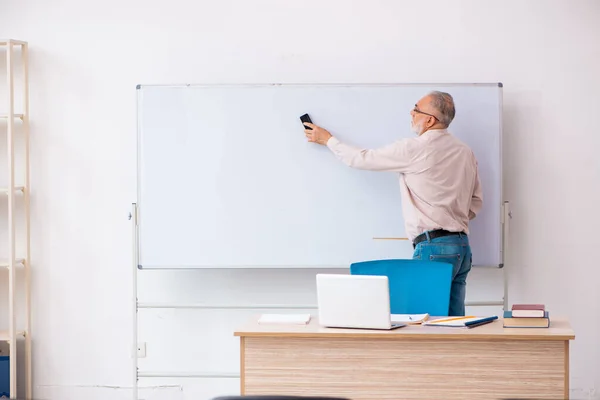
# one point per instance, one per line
(461, 322)
(295, 319)
(409, 318)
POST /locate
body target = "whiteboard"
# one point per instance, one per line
(226, 177)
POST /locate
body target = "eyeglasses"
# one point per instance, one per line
(421, 112)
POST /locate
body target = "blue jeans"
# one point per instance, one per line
(454, 250)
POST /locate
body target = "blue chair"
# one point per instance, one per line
(416, 286)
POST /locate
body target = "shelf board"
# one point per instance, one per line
(18, 189)
(17, 116)
(20, 262)
(4, 337)
(4, 42)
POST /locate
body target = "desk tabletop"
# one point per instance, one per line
(559, 329)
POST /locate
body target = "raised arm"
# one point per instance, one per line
(393, 157)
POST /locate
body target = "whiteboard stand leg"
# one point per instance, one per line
(133, 218)
(507, 216)
(505, 278)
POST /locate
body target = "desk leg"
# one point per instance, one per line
(243, 365)
(566, 369)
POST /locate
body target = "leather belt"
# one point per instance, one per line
(434, 234)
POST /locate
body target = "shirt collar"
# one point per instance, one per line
(431, 133)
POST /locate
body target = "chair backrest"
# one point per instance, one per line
(416, 286)
(277, 397)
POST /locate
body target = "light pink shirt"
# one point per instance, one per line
(439, 181)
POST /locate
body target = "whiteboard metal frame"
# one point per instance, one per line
(134, 215)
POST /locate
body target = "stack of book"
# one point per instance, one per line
(527, 316)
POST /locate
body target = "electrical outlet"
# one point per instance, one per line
(141, 350)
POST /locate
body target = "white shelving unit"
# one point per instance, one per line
(17, 193)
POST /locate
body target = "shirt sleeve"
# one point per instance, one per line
(393, 157)
(477, 197)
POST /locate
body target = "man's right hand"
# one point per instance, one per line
(317, 134)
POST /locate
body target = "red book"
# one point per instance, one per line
(528, 310)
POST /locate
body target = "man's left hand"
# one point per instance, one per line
(317, 134)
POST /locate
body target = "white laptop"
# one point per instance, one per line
(354, 301)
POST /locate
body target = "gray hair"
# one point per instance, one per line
(444, 104)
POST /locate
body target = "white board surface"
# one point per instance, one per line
(226, 177)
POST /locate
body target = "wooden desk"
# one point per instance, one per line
(414, 362)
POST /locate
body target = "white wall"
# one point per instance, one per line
(87, 57)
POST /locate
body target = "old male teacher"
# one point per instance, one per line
(439, 181)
